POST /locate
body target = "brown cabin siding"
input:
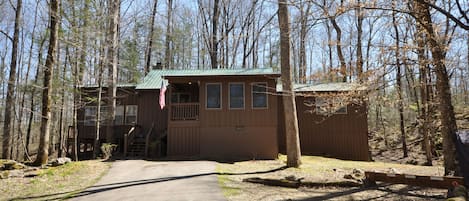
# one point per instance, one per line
(150, 113)
(227, 133)
(343, 136)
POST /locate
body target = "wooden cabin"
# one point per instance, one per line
(222, 114)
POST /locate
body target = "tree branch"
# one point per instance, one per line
(449, 15)
(6, 35)
(463, 13)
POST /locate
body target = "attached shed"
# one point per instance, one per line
(332, 121)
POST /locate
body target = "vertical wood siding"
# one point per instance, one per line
(343, 136)
(150, 113)
(228, 133)
(184, 139)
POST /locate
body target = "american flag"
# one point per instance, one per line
(162, 96)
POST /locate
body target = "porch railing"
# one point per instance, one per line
(184, 111)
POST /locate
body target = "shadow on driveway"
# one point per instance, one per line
(119, 185)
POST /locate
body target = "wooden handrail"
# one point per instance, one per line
(126, 136)
(147, 139)
(184, 111)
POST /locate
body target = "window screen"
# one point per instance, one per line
(259, 95)
(213, 96)
(236, 95)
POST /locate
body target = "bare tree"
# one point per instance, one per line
(291, 122)
(447, 117)
(424, 97)
(9, 103)
(150, 38)
(169, 38)
(43, 152)
(359, 13)
(400, 106)
(112, 53)
(338, 31)
(304, 29)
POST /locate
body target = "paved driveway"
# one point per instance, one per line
(154, 180)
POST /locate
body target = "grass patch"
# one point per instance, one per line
(228, 191)
(223, 181)
(55, 183)
(318, 164)
(313, 169)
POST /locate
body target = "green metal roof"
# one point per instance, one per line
(324, 87)
(105, 85)
(223, 72)
(154, 78)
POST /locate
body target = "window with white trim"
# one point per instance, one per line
(236, 91)
(259, 95)
(131, 114)
(213, 96)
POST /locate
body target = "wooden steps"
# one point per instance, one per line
(136, 149)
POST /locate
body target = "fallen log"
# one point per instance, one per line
(444, 182)
(298, 183)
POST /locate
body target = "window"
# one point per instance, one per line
(131, 114)
(179, 97)
(213, 94)
(119, 120)
(340, 105)
(330, 105)
(90, 115)
(259, 95)
(236, 95)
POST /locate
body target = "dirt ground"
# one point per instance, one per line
(321, 169)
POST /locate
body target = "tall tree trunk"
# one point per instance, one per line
(169, 38)
(359, 13)
(150, 38)
(33, 35)
(98, 113)
(214, 42)
(33, 94)
(9, 103)
(62, 107)
(343, 65)
(304, 13)
(331, 75)
(424, 98)
(291, 123)
(113, 62)
(43, 152)
(400, 106)
(447, 117)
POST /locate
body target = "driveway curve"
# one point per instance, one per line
(156, 180)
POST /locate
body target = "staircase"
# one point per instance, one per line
(137, 148)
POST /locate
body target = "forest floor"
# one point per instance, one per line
(54, 183)
(320, 169)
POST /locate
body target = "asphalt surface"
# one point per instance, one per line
(156, 180)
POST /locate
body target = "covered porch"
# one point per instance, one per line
(183, 117)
